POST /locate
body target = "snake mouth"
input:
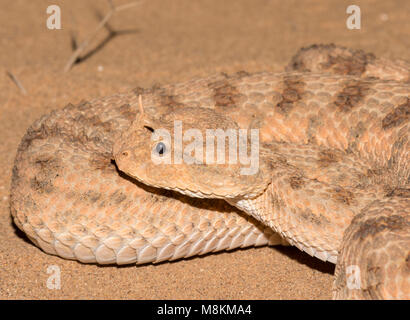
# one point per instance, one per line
(124, 161)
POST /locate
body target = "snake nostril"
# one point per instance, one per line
(125, 154)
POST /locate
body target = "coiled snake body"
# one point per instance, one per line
(333, 175)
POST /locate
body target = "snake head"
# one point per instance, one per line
(195, 151)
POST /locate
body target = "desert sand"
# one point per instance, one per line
(165, 41)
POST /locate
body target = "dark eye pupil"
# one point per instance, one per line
(160, 148)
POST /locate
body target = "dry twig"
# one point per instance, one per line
(17, 82)
(80, 49)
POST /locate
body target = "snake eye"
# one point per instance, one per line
(160, 148)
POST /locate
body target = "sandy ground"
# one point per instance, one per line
(165, 41)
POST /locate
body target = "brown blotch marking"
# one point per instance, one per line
(225, 94)
(276, 162)
(296, 182)
(48, 169)
(165, 97)
(372, 226)
(41, 185)
(140, 91)
(342, 195)
(170, 101)
(82, 106)
(93, 121)
(102, 162)
(292, 92)
(352, 94)
(46, 162)
(241, 74)
(91, 196)
(336, 60)
(354, 64)
(374, 172)
(47, 126)
(399, 192)
(297, 63)
(118, 197)
(327, 157)
(50, 126)
(309, 216)
(33, 133)
(303, 57)
(128, 112)
(399, 115)
(15, 176)
(95, 136)
(103, 204)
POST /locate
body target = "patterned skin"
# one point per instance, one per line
(332, 179)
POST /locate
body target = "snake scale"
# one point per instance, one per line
(333, 174)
